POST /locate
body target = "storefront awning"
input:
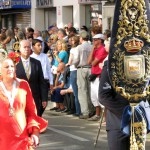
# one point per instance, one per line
(13, 11)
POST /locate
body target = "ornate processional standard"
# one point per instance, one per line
(129, 65)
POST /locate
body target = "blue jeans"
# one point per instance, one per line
(73, 80)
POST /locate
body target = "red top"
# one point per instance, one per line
(15, 130)
(100, 54)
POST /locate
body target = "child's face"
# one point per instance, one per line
(37, 47)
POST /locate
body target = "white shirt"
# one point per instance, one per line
(83, 52)
(74, 53)
(43, 58)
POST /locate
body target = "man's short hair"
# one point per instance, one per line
(34, 41)
(84, 35)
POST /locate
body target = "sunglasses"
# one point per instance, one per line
(95, 39)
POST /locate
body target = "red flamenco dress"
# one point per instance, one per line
(16, 130)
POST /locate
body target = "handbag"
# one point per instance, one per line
(92, 77)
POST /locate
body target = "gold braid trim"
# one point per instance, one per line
(138, 133)
(128, 96)
(133, 20)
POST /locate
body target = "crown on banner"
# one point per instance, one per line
(133, 45)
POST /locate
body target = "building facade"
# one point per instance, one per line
(40, 14)
(15, 13)
(47, 12)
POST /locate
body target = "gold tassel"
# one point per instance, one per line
(133, 144)
(138, 133)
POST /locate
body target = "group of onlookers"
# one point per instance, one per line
(71, 63)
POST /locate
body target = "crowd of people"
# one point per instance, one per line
(73, 67)
(67, 65)
(70, 66)
(63, 63)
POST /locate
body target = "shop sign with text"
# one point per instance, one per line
(21, 3)
(44, 3)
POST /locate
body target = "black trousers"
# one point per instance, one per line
(48, 85)
(117, 140)
(69, 101)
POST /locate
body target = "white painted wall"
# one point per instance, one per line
(59, 15)
(64, 2)
(75, 13)
(66, 11)
(37, 17)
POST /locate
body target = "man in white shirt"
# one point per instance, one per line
(43, 58)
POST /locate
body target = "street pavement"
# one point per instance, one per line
(66, 132)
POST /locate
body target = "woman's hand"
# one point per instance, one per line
(44, 104)
(55, 53)
(67, 64)
(35, 139)
(52, 90)
(63, 92)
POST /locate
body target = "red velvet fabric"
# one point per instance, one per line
(16, 130)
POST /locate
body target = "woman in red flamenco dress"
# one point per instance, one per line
(19, 124)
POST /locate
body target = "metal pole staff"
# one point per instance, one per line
(99, 128)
